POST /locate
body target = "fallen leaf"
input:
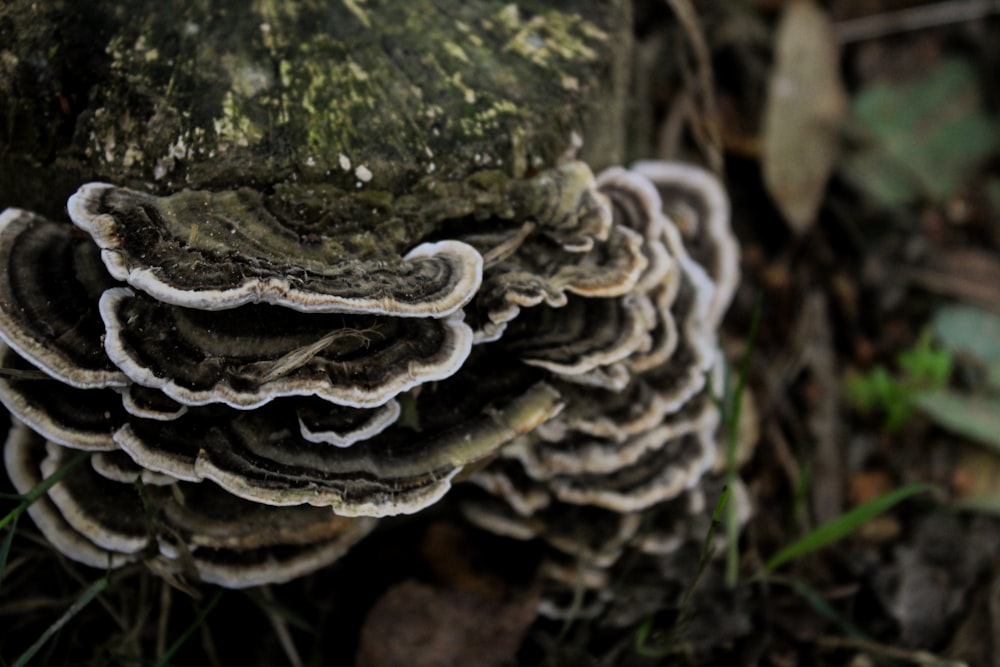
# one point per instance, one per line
(805, 107)
(451, 557)
(977, 639)
(868, 485)
(976, 481)
(971, 416)
(963, 329)
(924, 136)
(418, 625)
(926, 584)
(976, 478)
(968, 274)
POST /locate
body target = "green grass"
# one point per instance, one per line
(842, 526)
(673, 642)
(924, 367)
(8, 539)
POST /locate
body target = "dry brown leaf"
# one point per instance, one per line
(968, 274)
(977, 473)
(804, 111)
(418, 625)
(977, 640)
(451, 557)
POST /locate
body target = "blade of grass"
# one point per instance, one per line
(89, 594)
(842, 526)
(199, 619)
(819, 603)
(645, 631)
(642, 636)
(42, 488)
(5, 549)
(271, 607)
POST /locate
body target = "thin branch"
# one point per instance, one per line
(914, 18)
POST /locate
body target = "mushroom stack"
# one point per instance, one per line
(627, 465)
(257, 392)
(258, 385)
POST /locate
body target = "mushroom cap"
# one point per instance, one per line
(637, 439)
(257, 363)
(261, 456)
(149, 403)
(47, 300)
(341, 426)
(583, 335)
(103, 523)
(72, 417)
(220, 250)
(247, 356)
(696, 201)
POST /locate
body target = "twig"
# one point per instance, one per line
(712, 144)
(914, 18)
(163, 622)
(824, 422)
(916, 657)
(281, 630)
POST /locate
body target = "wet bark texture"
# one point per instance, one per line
(379, 98)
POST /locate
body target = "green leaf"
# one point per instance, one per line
(925, 364)
(925, 135)
(878, 391)
(642, 647)
(842, 526)
(819, 603)
(980, 504)
(972, 331)
(974, 417)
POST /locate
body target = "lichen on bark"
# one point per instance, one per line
(381, 98)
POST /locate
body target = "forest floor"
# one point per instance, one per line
(872, 255)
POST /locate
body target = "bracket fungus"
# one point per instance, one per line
(284, 324)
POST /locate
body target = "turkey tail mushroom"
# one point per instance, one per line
(307, 281)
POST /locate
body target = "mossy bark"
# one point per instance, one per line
(377, 97)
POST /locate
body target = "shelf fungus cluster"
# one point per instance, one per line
(631, 464)
(353, 255)
(257, 389)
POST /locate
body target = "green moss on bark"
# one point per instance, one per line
(374, 96)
